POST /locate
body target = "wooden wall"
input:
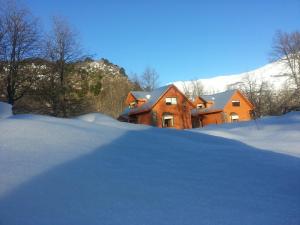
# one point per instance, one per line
(243, 111)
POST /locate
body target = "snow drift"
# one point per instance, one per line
(5, 110)
(274, 133)
(93, 170)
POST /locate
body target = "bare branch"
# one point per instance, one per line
(19, 41)
(149, 79)
(286, 47)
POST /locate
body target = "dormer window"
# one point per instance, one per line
(236, 103)
(132, 105)
(171, 101)
(200, 106)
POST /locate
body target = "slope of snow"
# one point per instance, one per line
(279, 134)
(5, 110)
(101, 119)
(275, 73)
(94, 170)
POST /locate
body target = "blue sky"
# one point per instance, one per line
(180, 39)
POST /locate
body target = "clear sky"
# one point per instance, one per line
(180, 39)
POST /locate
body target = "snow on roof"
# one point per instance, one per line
(153, 98)
(140, 94)
(219, 99)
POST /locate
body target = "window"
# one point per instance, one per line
(167, 120)
(132, 105)
(236, 103)
(171, 101)
(234, 117)
(200, 106)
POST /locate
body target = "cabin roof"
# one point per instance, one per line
(219, 101)
(196, 111)
(154, 96)
(140, 94)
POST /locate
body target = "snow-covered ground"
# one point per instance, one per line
(95, 170)
(5, 110)
(278, 133)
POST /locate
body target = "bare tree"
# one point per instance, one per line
(135, 79)
(19, 44)
(267, 100)
(193, 88)
(286, 48)
(250, 87)
(186, 89)
(149, 79)
(62, 51)
(2, 35)
(197, 88)
(2, 52)
(262, 95)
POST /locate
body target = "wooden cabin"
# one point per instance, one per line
(163, 107)
(225, 107)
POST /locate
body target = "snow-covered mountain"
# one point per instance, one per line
(276, 73)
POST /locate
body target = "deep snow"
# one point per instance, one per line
(5, 110)
(95, 170)
(277, 133)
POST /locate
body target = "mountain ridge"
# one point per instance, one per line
(276, 73)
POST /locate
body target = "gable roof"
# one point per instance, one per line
(196, 111)
(200, 98)
(219, 99)
(155, 96)
(140, 94)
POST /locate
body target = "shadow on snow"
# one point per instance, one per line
(157, 176)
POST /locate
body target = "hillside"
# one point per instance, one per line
(95, 170)
(105, 66)
(90, 86)
(275, 73)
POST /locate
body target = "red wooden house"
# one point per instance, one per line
(226, 107)
(163, 107)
